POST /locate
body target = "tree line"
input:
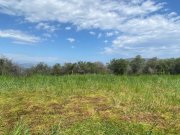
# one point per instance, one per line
(134, 66)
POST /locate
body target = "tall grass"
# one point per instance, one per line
(90, 104)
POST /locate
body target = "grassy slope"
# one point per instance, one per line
(90, 104)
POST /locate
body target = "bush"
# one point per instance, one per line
(118, 66)
(9, 68)
(137, 65)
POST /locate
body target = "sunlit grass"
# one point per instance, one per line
(90, 104)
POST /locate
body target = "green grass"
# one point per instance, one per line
(90, 105)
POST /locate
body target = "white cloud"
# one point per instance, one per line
(71, 40)
(99, 35)
(19, 36)
(112, 33)
(109, 34)
(46, 26)
(68, 28)
(106, 41)
(153, 32)
(92, 33)
(135, 22)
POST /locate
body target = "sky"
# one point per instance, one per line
(59, 31)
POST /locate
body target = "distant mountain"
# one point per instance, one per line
(26, 65)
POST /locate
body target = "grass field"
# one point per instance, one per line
(90, 105)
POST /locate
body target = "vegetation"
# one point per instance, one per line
(119, 66)
(90, 105)
(89, 98)
(9, 68)
(135, 66)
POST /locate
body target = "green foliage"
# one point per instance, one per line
(151, 66)
(118, 66)
(56, 69)
(84, 68)
(41, 68)
(136, 66)
(177, 66)
(9, 68)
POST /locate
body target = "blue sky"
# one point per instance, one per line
(58, 31)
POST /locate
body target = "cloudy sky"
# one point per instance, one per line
(89, 30)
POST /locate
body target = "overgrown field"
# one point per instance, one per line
(90, 105)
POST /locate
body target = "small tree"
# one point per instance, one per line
(81, 67)
(118, 66)
(177, 66)
(56, 69)
(150, 66)
(137, 65)
(100, 68)
(41, 68)
(9, 68)
(68, 68)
